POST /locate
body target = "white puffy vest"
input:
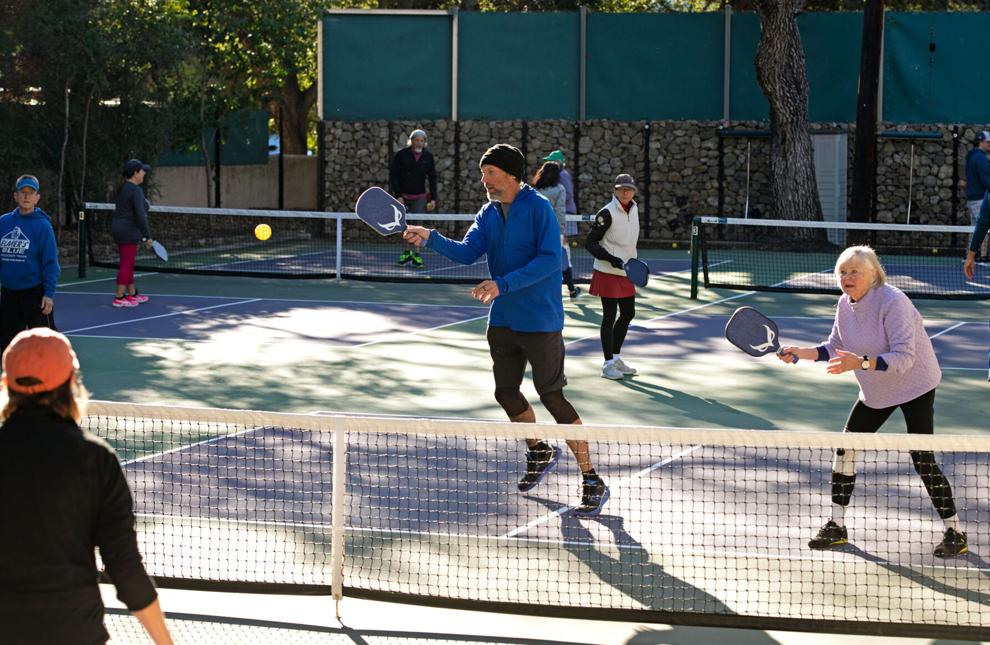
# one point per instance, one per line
(621, 237)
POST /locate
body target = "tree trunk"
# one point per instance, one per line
(295, 112)
(781, 72)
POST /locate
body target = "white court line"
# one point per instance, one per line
(416, 333)
(344, 302)
(72, 284)
(618, 483)
(175, 313)
(944, 331)
(188, 445)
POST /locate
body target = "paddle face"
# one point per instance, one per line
(753, 333)
(159, 249)
(381, 211)
(638, 272)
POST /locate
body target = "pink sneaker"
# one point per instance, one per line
(138, 298)
(126, 301)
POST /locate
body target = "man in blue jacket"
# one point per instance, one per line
(978, 179)
(519, 234)
(29, 266)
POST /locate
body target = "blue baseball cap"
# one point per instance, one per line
(27, 181)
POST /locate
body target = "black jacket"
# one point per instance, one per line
(130, 217)
(62, 493)
(406, 176)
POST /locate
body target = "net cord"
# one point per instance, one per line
(841, 226)
(476, 428)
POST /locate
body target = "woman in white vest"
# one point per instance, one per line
(612, 242)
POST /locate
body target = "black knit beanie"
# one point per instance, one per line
(506, 157)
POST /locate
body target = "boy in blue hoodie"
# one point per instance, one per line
(518, 232)
(29, 266)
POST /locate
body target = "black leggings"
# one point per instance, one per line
(919, 415)
(614, 330)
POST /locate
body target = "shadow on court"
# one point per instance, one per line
(679, 635)
(914, 575)
(632, 573)
(702, 409)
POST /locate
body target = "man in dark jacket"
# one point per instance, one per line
(408, 173)
(978, 179)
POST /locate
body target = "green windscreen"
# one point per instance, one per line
(655, 66)
(934, 68)
(386, 67)
(518, 65)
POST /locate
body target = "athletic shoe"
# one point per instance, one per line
(622, 367)
(575, 292)
(594, 494)
(610, 371)
(830, 535)
(140, 299)
(953, 543)
(417, 261)
(405, 257)
(126, 301)
(538, 463)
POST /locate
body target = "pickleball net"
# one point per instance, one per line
(303, 244)
(704, 527)
(924, 261)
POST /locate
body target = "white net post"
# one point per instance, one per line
(337, 500)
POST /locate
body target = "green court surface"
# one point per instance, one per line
(320, 345)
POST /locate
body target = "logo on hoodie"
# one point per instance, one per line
(14, 245)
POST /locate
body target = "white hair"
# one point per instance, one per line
(414, 134)
(862, 255)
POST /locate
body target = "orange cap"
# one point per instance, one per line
(38, 360)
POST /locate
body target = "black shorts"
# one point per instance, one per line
(511, 350)
(919, 415)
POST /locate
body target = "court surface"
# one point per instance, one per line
(420, 350)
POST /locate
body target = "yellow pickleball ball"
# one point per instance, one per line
(262, 232)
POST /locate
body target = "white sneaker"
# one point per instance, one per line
(622, 367)
(609, 371)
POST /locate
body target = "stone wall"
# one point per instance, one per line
(681, 159)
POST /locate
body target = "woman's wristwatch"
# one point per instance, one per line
(866, 363)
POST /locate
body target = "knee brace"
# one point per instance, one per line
(511, 400)
(843, 476)
(844, 462)
(558, 407)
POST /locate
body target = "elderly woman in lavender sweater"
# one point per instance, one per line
(880, 336)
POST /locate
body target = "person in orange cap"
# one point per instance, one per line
(62, 495)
